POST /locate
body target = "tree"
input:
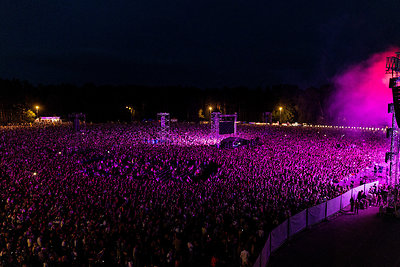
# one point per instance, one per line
(285, 114)
(201, 114)
(28, 116)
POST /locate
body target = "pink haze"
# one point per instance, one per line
(362, 92)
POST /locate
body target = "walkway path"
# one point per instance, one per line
(345, 240)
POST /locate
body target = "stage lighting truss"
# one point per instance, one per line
(393, 64)
(393, 68)
(76, 118)
(163, 120)
(215, 117)
(392, 157)
(394, 82)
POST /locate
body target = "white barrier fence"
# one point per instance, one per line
(306, 218)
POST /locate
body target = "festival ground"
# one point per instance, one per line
(346, 239)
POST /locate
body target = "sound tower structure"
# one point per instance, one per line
(223, 124)
(163, 125)
(76, 117)
(393, 156)
(393, 68)
(215, 116)
(227, 124)
(268, 117)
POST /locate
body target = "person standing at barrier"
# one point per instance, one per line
(351, 204)
(359, 195)
(357, 206)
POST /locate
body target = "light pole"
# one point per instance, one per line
(37, 111)
(210, 109)
(280, 114)
(131, 111)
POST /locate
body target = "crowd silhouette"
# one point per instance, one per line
(106, 196)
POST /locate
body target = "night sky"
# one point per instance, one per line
(191, 43)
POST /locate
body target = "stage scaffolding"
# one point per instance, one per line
(215, 116)
(163, 128)
(393, 68)
(223, 124)
(76, 118)
(393, 156)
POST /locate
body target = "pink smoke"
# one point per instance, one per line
(362, 92)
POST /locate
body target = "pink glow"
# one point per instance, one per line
(362, 92)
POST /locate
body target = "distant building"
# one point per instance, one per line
(48, 120)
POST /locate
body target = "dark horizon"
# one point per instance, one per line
(107, 102)
(206, 44)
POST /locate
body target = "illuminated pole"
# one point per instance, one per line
(131, 111)
(280, 114)
(37, 111)
(210, 109)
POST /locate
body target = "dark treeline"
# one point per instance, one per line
(102, 103)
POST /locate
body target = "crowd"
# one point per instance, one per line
(108, 197)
